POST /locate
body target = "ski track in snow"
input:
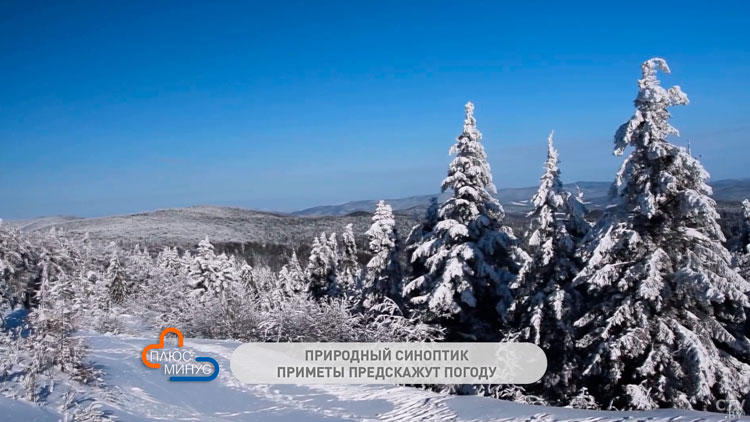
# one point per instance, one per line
(136, 393)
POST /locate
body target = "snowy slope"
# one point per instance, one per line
(136, 393)
(39, 223)
(13, 410)
(187, 226)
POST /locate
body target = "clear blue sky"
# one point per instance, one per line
(121, 106)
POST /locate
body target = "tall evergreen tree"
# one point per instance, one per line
(469, 258)
(666, 319)
(545, 303)
(383, 277)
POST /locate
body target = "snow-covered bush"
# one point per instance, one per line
(583, 400)
(302, 320)
(91, 412)
(513, 393)
(232, 315)
(386, 322)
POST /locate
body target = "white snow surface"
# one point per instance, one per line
(136, 393)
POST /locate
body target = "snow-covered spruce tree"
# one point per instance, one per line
(53, 322)
(742, 247)
(743, 240)
(87, 251)
(210, 274)
(115, 275)
(170, 261)
(469, 258)
(419, 233)
(666, 313)
(321, 269)
(244, 273)
(140, 269)
(50, 346)
(349, 271)
(292, 276)
(383, 277)
(17, 268)
(424, 227)
(545, 303)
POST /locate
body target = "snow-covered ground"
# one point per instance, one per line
(135, 393)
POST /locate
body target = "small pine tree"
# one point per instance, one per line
(210, 274)
(321, 269)
(115, 275)
(169, 260)
(469, 258)
(292, 275)
(140, 268)
(349, 271)
(244, 273)
(17, 272)
(383, 278)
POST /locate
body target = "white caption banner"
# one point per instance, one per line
(388, 363)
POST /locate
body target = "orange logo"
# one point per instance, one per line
(160, 345)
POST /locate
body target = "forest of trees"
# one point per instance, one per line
(646, 307)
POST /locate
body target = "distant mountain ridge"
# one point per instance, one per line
(270, 236)
(517, 200)
(514, 200)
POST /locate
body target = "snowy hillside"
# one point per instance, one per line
(184, 225)
(263, 234)
(135, 394)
